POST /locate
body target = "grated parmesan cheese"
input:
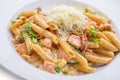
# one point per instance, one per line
(68, 18)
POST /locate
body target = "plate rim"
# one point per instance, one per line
(7, 67)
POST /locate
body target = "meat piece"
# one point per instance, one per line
(39, 37)
(75, 41)
(21, 48)
(83, 42)
(104, 27)
(47, 42)
(38, 9)
(62, 54)
(16, 40)
(49, 66)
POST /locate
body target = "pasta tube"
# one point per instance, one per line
(97, 19)
(28, 13)
(61, 62)
(44, 33)
(14, 28)
(40, 51)
(77, 57)
(113, 38)
(101, 35)
(40, 21)
(52, 26)
(104, 52)
(66, 47)
(107, 45)
(84, 69)
(97, 59)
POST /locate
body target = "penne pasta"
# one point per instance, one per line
(97, 19)
(44, 33)
(61, 62)
(52, 26)
(107, 45)
(105, 18)
(39, 51)
(30, 58)
(40, 21)
(101, 35)
(104, 52)
(113, 38)
(82, 61)
(65, 39)
(77, 57)
(28, 44)
(28, 13)
(26, 57)
(66, 47)
(97, 59)
(37, 63)
(34, 57)
(44, 14)
(86, 70)
(14, 28)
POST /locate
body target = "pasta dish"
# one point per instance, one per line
(67, 41)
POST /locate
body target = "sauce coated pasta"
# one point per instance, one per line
(67, 40)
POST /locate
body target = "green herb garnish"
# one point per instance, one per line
(84, 54)
(31, 34)
(27, 26)
(96, 39)
(57, 69)
(23, 36)
(13, 21)
(92, 31)
(72, 62)
(86, 10)
(106, 29)
(91, 64)
(77, 50)
(40, 43)
(65, 72)
(18, 18)
(34, 40)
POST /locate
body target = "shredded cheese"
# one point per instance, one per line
(68, 18)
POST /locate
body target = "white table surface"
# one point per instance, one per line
(110, 7)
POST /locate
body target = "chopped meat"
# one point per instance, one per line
(47, 42)
(16, 40)
(38, 9)
(103, 27)
(39, 37)
(21, 48)
(75, 41)
(62, 54)
(49, 66)
(83, 42)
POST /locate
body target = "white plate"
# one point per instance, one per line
(10, 60)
